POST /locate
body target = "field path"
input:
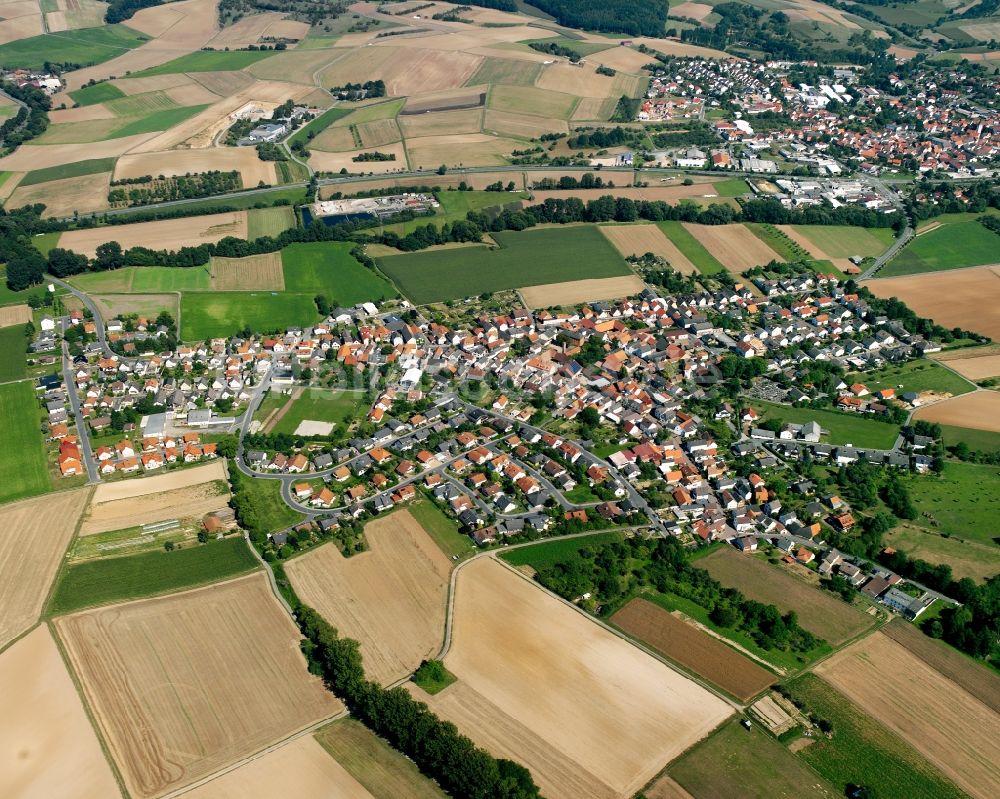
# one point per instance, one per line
(276, 416)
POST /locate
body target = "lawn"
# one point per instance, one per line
(692, 249)
(920, 375)
(8, 297)
(380, 769)
(100, 582)
(320, 405)
(329, 268)
(838, 428)
(442, 529)
(843, 241)
(952, 246)
(269, 221)
(207, 61)
(550, 255)
(557, 550)
(864, 752)
(746, 763)
(224, 313)
(13, 353)
(158, 120)
(75, 169)
(157, 279)
(80, 47)
(23, 466)
(963, 502)
(263, 497)
(731, 187)
(98, 93)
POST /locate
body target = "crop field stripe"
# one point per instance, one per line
(101, 582)
(692, 249)
(207, 61)
(86, 46)
(13, 354)
(98, 93)
(319, 124)
(953, 245)
(76, 169)
(158, 120)
(23, 465)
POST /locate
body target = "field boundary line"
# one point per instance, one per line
(64, 564)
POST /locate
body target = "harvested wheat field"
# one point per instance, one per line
(953, 298)
(355, 65)
(335, 140)
(245, 32)
(391, 598)
(974, 367)
(63, 197)
(209, 676)
(460, 149)
(153, 83)
(302, 763)
(14, 315)
(29, 157)
(114, 306)
(640, 239)
(34, 535)
(734, 246)
(253, 273)
(693, 648)
(85, 113)
(561, 76)
(527, 126)
(695, 11)
(164, 234)
(377, 133)
(979, 680)
(624, 59)
(182, 478)
(440, 123)
(334, 162)
(979, 410)
(410, 72)
(47, 746)
(181, 162)
(24, 26)
(951, 728)
(568, 689)
(818, 611)
(574, 292)
(666, 788)
(192, 502)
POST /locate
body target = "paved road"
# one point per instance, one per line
(91, 306)
(93, 476)
(889, 254)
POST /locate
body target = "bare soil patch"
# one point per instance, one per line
(171, 163)
(191, 503)
(302, 763)
(14, 315)
(34, 535)
(182, 478)
(978, 680)
(255, 272)
(165, 234)
(951, 728)
(574, 292)
(819, 612)
(595, 699)
(209, 676)
(693, 649)
(951, 298)
(63, 197)
(734, 246)
(47, 746)
(391, 598)
(640, 239)
(979, 410)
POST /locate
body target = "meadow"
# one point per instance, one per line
(966, 558)
(456, 205)
(269, 221)
(83, 47)
(23, 464)
(225, 313)
(157, 279)
(76, 169)
(839, 428)
(953, 245)
(963, 502)
(207, 61)
(549, 553)
(978, 440)
(863, 752)
(320, 405)
(100, 582)
(843, 241)
(98, 93)
(691, 248)
(919, 376)
(328, 268)
(527, 258)
(13, 356)
(443, 529)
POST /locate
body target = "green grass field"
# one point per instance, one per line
(81, 47)
(13, 355)
(329, 268)
(117, 281)
(134, 105)
(964, 501)
(840, 428)
(456, 205)
(549, 553)
(966, 558)
(919, 376)
(495, 71)
(371, 113)
(23, 467)
(269, 221)
(98, 93)
(8, 297)
(978, 440)
(843, 241)
(433, 677)
(731, 187)
(379, 768)
(580, 46)
(774, 239)
(76, 169)
(207, 61)
(441, 528)
(531, 100)
(864, 752)
(157, 279)
(321, 405)
(239, 201)
(268, 506)
(318, 125)
(693, 249)
(746, 763)
(225, 313)
(100, 582)
(529, 258)
(158, 120)
(952, 246)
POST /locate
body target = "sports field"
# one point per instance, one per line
(953, 245)
(23, 469)
(320, 405)
(528, 258)
(100, 582)
(328, 268)
(225, 313)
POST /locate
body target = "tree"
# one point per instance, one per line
(441, 170)
(24, 271)
(109, 256)
(589, 417)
